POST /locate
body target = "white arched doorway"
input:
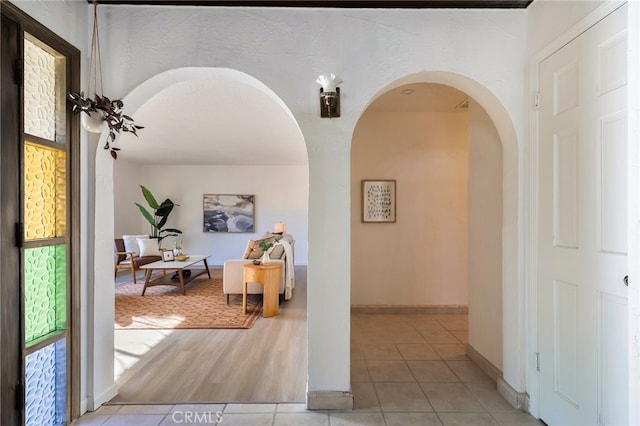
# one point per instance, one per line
(505, 347)
(198, 147)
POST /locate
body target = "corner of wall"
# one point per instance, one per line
(92, 404)
(485, 365)
(519, 400)
(329, 400)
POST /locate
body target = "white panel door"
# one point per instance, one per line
(582, 232)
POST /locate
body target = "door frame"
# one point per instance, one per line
(27, 24)
(11, 340)
(531, 175)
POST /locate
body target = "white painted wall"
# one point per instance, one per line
(549, 19)
(485, 236)
(281, 195)
(127, 177)
(421, 260)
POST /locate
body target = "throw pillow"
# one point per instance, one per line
(247, 250)
(277, 252)
(148, 247)
(253, 250)
(131, 243)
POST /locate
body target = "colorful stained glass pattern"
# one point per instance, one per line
(45, 298)
(45, 192)
(39, 92)
(45, 391)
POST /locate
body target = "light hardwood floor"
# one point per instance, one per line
(266, 363)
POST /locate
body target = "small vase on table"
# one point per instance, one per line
(266, 247)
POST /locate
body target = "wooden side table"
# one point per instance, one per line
(267, 275)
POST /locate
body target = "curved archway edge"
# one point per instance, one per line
(147, 89)
(100, 359)
(513, 304)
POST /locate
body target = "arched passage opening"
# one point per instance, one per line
(456, 173)
(207, 131)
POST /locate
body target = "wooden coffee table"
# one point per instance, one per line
(177, 266)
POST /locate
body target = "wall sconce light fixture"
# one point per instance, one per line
(329, 95)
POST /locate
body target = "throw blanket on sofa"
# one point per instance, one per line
(289, 275)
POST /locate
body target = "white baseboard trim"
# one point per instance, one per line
(94, 403)
(485, 365)
(409, 309)
(330, 400)
(83, 406)
(519, 400)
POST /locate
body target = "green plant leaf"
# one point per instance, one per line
(146, 215)
(169, 235)
(265, 245)
(162, 222)
(165, 208)
(177, 231)
(112, 111)
(150, 198)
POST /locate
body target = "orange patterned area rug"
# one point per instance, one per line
(163, 307)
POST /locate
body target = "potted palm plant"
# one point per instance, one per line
(158, 218)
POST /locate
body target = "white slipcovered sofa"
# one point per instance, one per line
(281, 252)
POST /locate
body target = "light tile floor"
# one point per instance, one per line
(406, 370)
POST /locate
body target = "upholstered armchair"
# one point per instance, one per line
(130, 260)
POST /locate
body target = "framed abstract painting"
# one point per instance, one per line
(228, 213)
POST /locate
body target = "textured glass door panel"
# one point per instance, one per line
(45, 292)
(47, 149)
(46, 379)
(41, 106)
(45, 192)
